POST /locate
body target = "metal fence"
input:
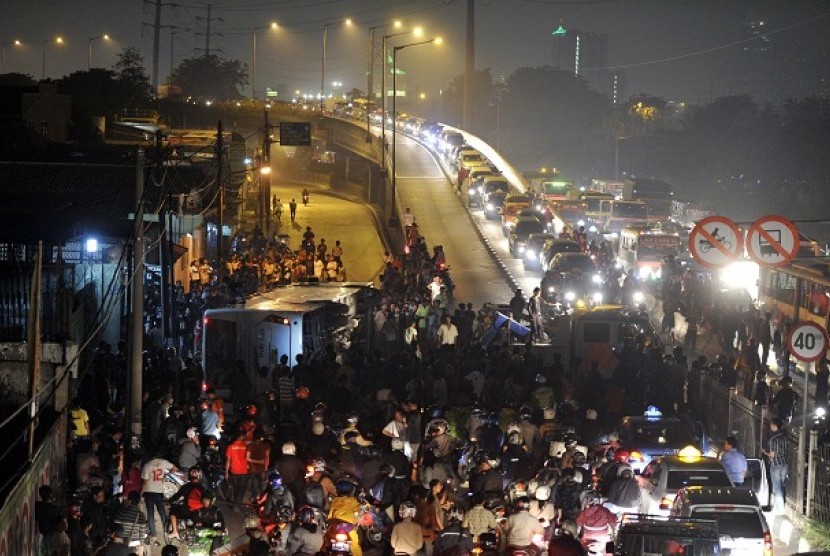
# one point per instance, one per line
(726, 413)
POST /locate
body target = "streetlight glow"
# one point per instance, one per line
(274, 25)
(438, 40)
(59, 40)
(398, 24)
(418, 31)
(348, 22)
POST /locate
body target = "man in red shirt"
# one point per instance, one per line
(236, 467)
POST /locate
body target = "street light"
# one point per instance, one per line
(104, 37)
(417, 31)
(348, 23)
(5, 44)
(56, 40)
(273, 26)
(393, 219)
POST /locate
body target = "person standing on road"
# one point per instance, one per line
(447, 334)
(236, 469)
(534, 307)
(292, 208)
(778, 453)
(733, 461)
(152, 490)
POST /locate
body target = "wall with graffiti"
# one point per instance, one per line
(18, 530)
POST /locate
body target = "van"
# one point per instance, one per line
(742, 528)
(646, 535)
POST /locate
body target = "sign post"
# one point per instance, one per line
(295, 134)
(808, 343)
(715, 241)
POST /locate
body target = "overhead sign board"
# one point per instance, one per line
(715, 241)
(807, 342)
(295, 134)
(772, 241)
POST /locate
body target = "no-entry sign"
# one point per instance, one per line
(715, 241)
(807, 342)
(772, 241)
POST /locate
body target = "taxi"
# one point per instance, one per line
(512, 205)
(652, 434)
(664, 476)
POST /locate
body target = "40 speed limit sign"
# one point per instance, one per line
(807, 342)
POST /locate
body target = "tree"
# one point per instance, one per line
(211, 78)
(96, 92)
(132, 77)
(17, 80)
(484, 120)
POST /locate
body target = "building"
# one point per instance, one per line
(582, 52)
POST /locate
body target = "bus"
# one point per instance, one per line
(592, 200)
(797, 292)
(656, 194)
(616, 215)
(555, 190)
(572, 212)
(297, 319)
(642, 249)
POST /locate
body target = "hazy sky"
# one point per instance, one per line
(682, 49)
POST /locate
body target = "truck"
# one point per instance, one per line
(656, 194)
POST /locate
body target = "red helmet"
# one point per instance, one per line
(252, 410)
(302, 393)
(621, 456)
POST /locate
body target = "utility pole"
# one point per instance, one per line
(219, 151)
(165, 257)
(137, 322)
(266, 162)
(33, 346)
(157, 27)
(469, 67)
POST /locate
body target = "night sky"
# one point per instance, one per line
(690, 50)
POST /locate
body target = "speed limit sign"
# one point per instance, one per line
(807, 342)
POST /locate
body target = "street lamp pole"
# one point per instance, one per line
(89, 52)
(417, 32)
(323, 65)
(253, 57)
(393, 219)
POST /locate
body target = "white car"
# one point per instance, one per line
(665, 475)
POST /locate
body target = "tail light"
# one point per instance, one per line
(667, 501)
(341, 537)
(767, 544)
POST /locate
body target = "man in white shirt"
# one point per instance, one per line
(434, 288)
(152, 490)
(447, 334)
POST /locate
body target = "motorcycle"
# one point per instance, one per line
(305, 198)
(173, 481)
(443, 270)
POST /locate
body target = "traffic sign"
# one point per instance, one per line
(715, 241)
(807, 342)
(295, 134)
(772, 241)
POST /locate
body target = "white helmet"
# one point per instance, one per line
(289, 449)
(318, 428)
(191, 433)
(407, 509)
(543, 493)
(591, 415)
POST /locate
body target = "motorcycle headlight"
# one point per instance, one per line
(638, 297)
(550, 289)
(530, 253)
(489, 206)
(481, 190)
(580, 222)
(570, 296)
(592, 229)
(596, 279)
(521, 248)
(597, 297)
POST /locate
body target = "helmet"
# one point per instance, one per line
(621, 456)
(320, 407)
(350, 436)
(522, 503)
(591, 415)
(549, 413)
(440, 425)
(435, 412)
(352, 418)
(613, 437)
(289, 449)
(570, 527)
(170, 550)
(455, 513)
(540, 379)
(514, 438)
(306, 515)
(319, 465)
(609, 454)
(318, 428)
(285, 514)
(191, 433)
(275, 480)
(577, 476)
(624, 470)
(493, 418)
(251, 411)
(543, 493)
(525, 412)
(302, 393)
(194, 474)
(579, 458)
(208, 495)
(344, 487)
(592, 499)
(407, 509)
(570, 442)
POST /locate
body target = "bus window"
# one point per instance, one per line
(783, 287)
(220, 341)
(814, 298)
(596, 333)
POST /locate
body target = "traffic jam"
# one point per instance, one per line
(606, 254)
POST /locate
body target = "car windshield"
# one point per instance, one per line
(527, 227)
(496, 185)
(746, 523)
(583, 264)
(537, 240)
(564, 247)
(471, 157)
(671, 434)
(653, 247)
(680, 478)
(630, 210)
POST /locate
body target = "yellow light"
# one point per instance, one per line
(397, 24)
(17, 43)
(439, 40)
(274, 25)
(348, 21)
(265, 170)
(689, 453)
(418, 31)
(106, 37)
(59, 40)
(423, 96)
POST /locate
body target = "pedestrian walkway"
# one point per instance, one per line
(333, 218)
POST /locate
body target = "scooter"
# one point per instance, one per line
(305, 199)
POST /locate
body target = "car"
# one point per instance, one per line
(512, 205)
(543, 216)
(495, 183)
(742, 528)
(570, 263)
(665, 475)
(552, 247)
(530, 258)
(494, 205)
(517, 239)
(647, 534)
(647, 436)
(469, 160)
